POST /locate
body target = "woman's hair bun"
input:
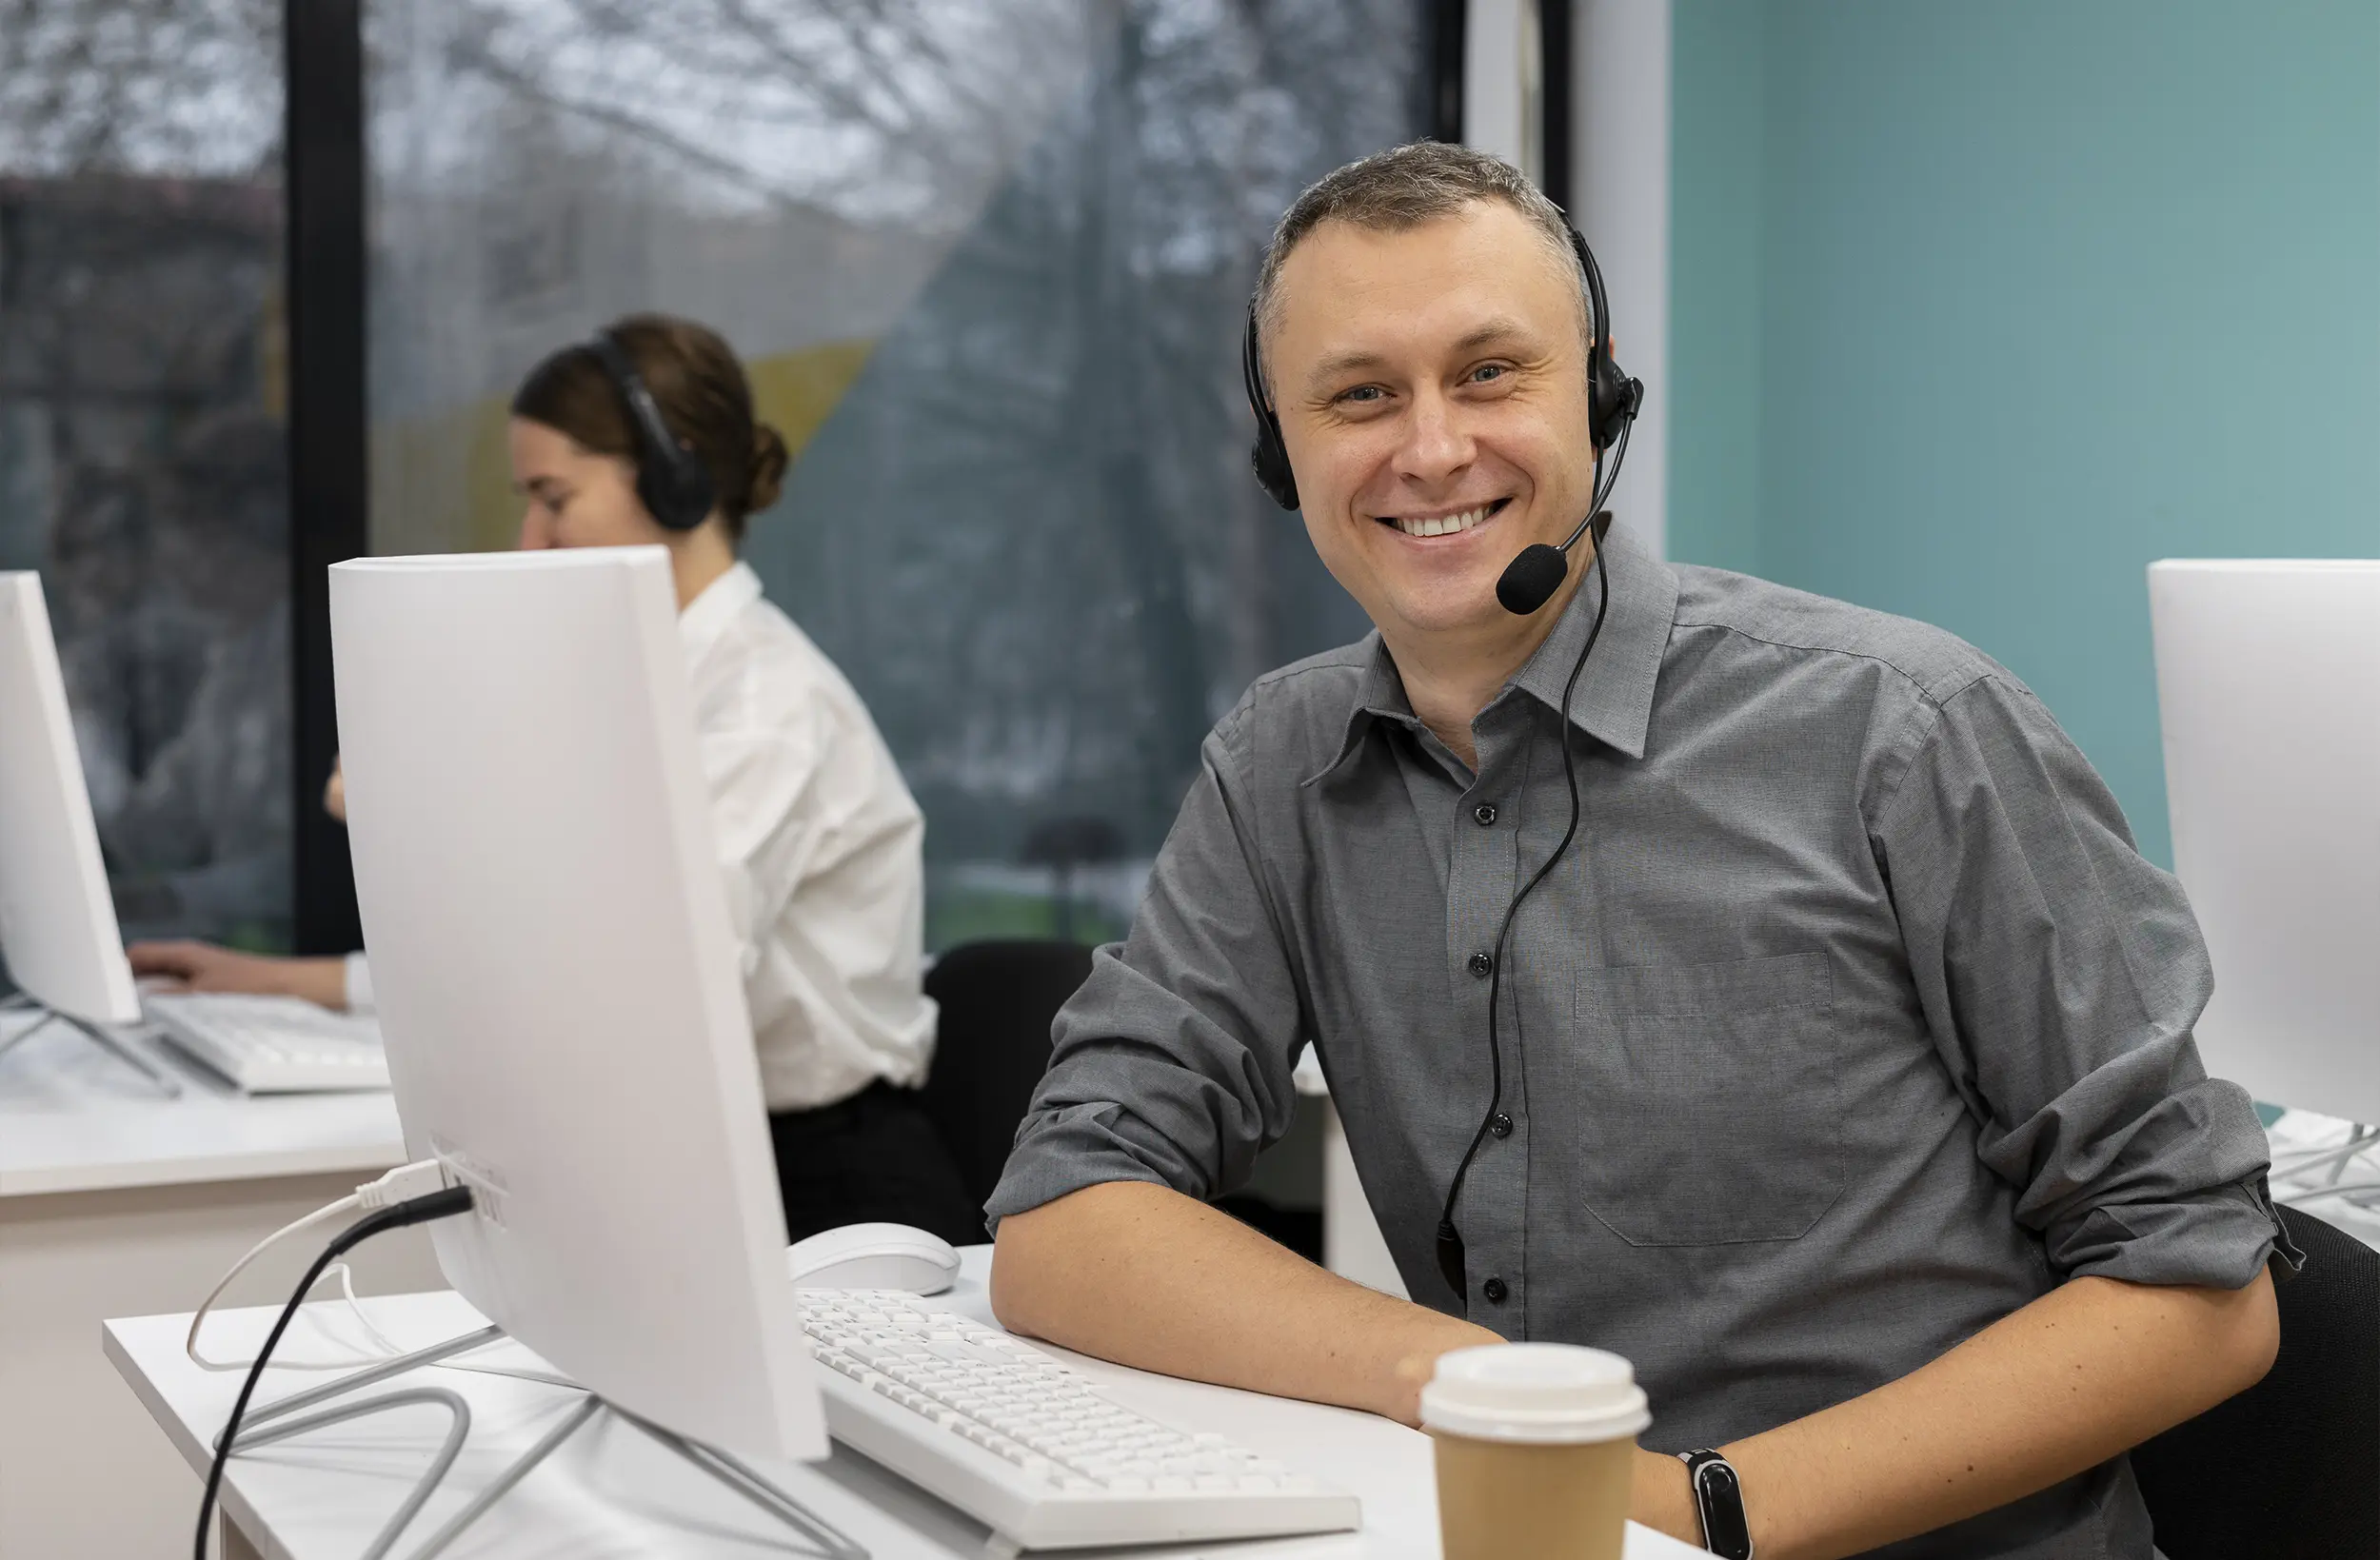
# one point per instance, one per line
(768, 468)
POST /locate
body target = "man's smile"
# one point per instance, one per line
(1447, 523)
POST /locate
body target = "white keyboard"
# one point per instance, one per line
(1031, 1448)
(271, 1045)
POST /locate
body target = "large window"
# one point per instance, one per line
(142, 447)
(987, 258)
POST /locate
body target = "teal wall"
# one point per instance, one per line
(1977, 308)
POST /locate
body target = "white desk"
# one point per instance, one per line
(612, 1495)
(116, 1200)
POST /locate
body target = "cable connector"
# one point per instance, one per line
(444, 1202)
(402, 1184)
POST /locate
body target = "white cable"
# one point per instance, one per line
(396, 1186)
(2349, 1190)
(346, 1287)
(423, 1175)
(198, 1319)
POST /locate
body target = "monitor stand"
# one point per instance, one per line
(166, 1083)
(2314, 1174)
(274, 1422)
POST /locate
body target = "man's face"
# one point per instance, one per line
(1432, 388)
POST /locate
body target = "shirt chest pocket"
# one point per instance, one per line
(1698, 1104)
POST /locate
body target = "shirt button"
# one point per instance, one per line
(1484, 814)
(1482, 965)
(1495, 1291)
(1500, 1124)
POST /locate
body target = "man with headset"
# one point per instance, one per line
(1760, 987)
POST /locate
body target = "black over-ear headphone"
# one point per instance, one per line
(671, 479)
(1613, 397)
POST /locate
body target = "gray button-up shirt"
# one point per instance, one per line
(1851, 1021)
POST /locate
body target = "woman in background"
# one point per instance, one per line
(819, 841)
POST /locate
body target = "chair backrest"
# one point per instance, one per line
(2289, 1470)
(998, 1000)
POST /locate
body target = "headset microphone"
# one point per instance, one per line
(1530, 581)
(1613, 400)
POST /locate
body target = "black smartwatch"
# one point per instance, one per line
(1720, 1503)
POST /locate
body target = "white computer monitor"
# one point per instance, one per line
(2269, 690)
(58, 930)
(556, 975)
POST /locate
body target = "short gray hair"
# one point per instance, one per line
(1403, 187)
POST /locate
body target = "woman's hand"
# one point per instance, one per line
(204, 967)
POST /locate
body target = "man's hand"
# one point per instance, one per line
(1148, 1277)
(204, 967)
(2091, 1368)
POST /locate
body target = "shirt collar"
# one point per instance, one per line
(1381, 696)
(708, 616)
(1615, 697)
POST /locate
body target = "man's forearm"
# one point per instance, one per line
(2091, 1368)
(1148, 1277)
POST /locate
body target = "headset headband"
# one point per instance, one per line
(671, 479)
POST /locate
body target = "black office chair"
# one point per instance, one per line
(2289, 1470)
(997, 1000)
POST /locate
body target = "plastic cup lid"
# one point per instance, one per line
(1547, 1393)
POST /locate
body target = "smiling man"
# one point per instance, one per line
(1847, 1085)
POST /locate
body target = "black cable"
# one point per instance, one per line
(1450, 1247)
(434, 1204)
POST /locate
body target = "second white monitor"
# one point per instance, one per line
(2269, 691)
(555, 972)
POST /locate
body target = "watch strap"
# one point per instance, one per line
(1718, 1504)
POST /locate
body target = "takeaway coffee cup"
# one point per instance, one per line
(1536, 1450)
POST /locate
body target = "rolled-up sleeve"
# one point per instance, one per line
(2061, 974)
(1172, 1064)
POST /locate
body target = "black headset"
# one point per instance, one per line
(672, 480)
(1527, 583)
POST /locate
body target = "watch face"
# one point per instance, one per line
(1725, 1532)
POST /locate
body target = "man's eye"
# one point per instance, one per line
(1487, 371)
(1363, 392)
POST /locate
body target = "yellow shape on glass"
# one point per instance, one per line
(443, 481)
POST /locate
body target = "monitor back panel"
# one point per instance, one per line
(557, 978)
(2268, 693)
(57, 919)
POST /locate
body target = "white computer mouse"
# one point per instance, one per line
(874, 1256)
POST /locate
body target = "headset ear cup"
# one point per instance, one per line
(1613, 401)
(675, 492)
(1270, 462)
(694, 491)
(1268, 457)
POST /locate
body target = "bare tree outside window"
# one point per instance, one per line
(988, 259)
(141, 445)
(1030, 530)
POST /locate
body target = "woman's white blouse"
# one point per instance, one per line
(822, 849)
